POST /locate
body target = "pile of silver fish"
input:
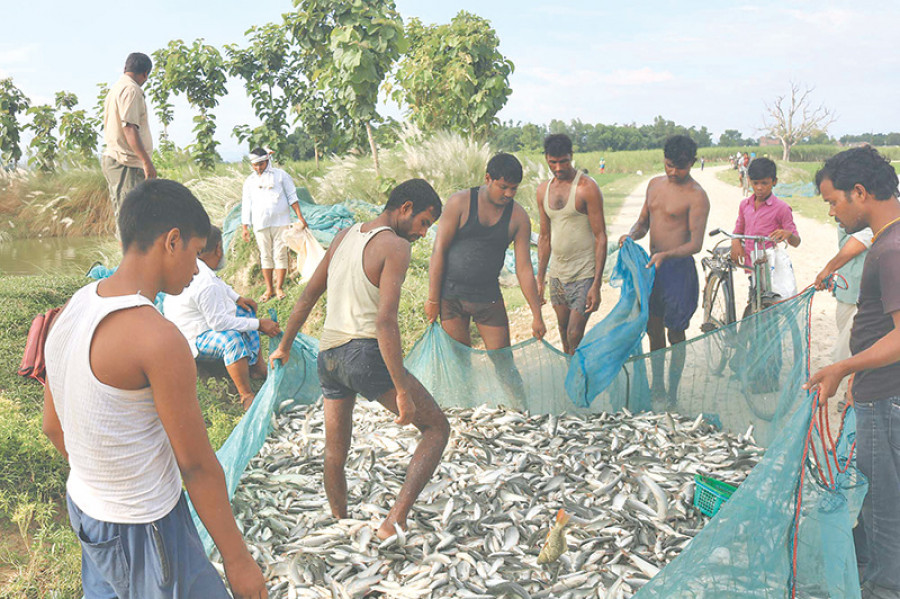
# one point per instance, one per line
(626, 481)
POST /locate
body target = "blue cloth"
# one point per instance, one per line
(162, 559)
(676, 291)
(230, 346)
(877, 537)
(606, 346)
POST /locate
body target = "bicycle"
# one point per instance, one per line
(718, 292)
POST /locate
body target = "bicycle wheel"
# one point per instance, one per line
(717, 297)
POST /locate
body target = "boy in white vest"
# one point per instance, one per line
(121, 405)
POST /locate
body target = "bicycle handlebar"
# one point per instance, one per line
(758, 238)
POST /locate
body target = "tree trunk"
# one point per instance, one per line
(373, 148)
(786, 151)
(316, 152)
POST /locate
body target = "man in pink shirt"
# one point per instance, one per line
(763, 213)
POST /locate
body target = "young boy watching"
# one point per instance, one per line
(763, 213)
(121, 405)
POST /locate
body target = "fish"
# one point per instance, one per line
(623, 480)
(556, 544)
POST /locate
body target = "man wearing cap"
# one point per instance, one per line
(126, 131)
(268, 198)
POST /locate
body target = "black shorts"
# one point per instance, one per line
(355, 368)
(491, 314)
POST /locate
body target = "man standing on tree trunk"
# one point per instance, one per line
(126, 160)
(572, 206)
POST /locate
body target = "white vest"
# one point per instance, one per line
(122, 467)
(352, 306)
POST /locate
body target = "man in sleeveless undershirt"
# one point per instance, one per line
(360, 351)
(571, 206)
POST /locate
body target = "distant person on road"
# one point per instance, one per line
(218, 323)
(860, 187)
(469, 249)
(360, 351)
(126, 160)
(763, 213)
(602, 165)
(121, 406)
(675, 214)
(702, 162)
(572, 240)
(268, 197)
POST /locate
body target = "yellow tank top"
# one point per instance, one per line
(352, 305)
(572, 255)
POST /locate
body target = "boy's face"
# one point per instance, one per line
(762, 188)
(183, 265)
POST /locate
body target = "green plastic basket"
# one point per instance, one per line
(710, 494)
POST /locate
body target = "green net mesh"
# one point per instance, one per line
(785, 532)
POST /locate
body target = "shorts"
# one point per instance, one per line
(273, 249)
(229, 346)
(490, 314)
(676, 291)
(161, 559)
(573, 295)
(354, 368)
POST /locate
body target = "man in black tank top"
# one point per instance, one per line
(476, 228)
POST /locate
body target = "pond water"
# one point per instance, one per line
(57, 255)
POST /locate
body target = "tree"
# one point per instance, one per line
(350, 46)
(12, 103)
(317, 118)
(271, 70)
(453, 77)
(198, 72)
(43, 145)
(77, 129)
(732, 138)
(791, 118)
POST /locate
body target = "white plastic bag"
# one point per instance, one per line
(309, 251)
(781, 272)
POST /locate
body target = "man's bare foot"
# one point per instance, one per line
(266, 296)
(280, 294)
(387, 529)
(247, 401)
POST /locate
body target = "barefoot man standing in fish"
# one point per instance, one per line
(360, 351)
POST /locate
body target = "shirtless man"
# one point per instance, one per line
(572, 203)
(360, 351)
(675, 214)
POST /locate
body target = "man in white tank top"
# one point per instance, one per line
(360, 351)
(572, 241)
(121, 405)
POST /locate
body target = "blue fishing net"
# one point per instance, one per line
(324, 220)
(295, 382)
(785, 532)
(801, 190)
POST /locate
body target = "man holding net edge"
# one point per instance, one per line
(860, 187)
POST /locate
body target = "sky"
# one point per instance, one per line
(696, 63)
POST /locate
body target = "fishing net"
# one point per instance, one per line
(787, 529)
(789, 190)
(324, 220)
